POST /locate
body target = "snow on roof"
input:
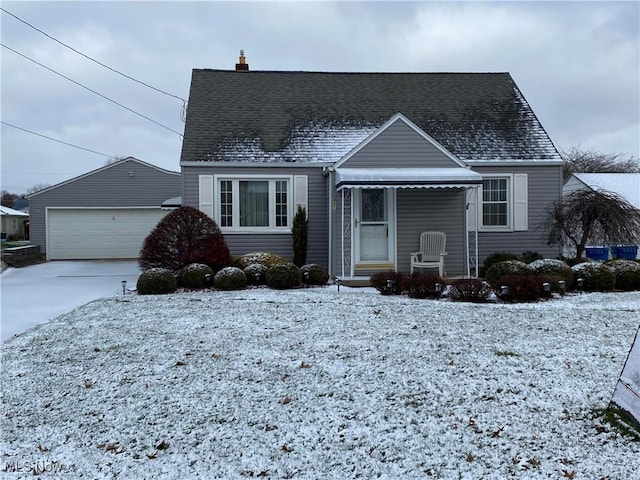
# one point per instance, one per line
(626, 185)
(10, 211)
(313, 142)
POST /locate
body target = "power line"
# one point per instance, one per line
(93, 59)
(55, 139)
(92, 91)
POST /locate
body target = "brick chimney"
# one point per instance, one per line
(242, 66)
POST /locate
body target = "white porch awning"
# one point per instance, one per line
(406, 178)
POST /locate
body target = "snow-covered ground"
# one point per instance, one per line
(315, 383)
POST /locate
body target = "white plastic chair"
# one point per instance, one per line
(432, 251)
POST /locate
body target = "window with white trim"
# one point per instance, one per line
(254, 203)
(495, 202)
(503, 203)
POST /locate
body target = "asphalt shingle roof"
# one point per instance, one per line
(277, 116)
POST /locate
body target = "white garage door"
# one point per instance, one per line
(83, 234)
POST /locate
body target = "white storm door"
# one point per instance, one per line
(373, 215)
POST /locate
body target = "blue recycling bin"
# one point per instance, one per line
(597, 253)
(626, 252)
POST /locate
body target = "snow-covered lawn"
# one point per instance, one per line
(315, 383)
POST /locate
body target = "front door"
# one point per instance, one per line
(373, 226)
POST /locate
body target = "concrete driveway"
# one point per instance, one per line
(35, 294)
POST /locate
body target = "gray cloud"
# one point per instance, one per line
(577, 63)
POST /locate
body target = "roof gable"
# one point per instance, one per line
(627, 185)
(260, 116)
(411, 147)
(116, 164)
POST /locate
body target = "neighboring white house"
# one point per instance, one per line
(13, 223)
(627, 185)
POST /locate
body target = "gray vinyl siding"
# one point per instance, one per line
(544, 188)
(417, 211)
(280, 243)
(112, 186)
(399, 146)
(421, 210)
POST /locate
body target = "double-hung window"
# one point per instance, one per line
(502, 204)
(253, 203)
(495, 202)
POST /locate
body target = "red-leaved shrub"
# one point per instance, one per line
(184, 236)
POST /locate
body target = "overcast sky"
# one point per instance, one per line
(577, 63)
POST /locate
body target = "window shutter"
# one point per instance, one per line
(205, 194)
(300, 189)
(520, 202)
(472, 205)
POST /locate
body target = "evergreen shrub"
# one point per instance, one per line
(194, 275)
(283, 276)
(263, 258)
(156, 281)
(555, 271)
(507, 267)
(317, 274)
(597, 276)
(255, 274)
(230, 278)
(627, 273)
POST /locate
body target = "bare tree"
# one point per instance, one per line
(37, 187)
(591, 161)
(8, 199)
(596, 216)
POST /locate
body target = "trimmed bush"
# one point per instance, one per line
(156, 281)
(627, 273)
(283, 276)
(421, 285)
(379, 282)
(184, 236)
(255, 273)
(555, 271)
(507, 267)
(576, 261)
(194, 275)
(263, 258)
(317, 274)
(230, 278)
(519, 288)
(469, 290)
(597, 276)
(496, 258)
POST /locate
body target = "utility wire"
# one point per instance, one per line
(92, 91)
(55, 139)
(93, 59)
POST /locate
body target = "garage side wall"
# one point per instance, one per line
(125, 184)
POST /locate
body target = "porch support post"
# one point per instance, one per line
(466, 233)
(342, 234)
(477, 191)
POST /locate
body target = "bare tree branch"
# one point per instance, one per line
(596, 216)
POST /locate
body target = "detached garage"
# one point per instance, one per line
(104, 214)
